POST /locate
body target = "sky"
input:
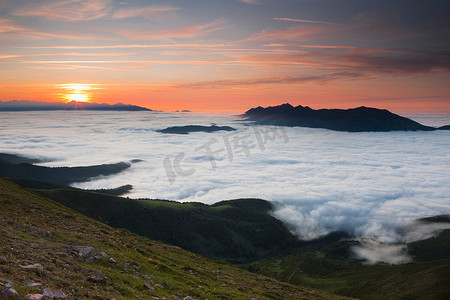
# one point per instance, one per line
(228, 55)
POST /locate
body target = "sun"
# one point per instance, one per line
(78, 97)
(79, 92)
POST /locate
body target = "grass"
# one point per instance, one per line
(168, 270)
(242, 232)
(426, 278)
(237, 231)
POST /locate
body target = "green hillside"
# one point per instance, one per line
(329, 266)
(86, 259)
(237, 231)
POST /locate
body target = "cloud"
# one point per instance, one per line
(375, 252)
(365, 184)
(67, 10)
(149, 12)
(302, 21)
(368, 62)
(180, 32)
(8, 26)
(153, 62)
(268, 80)
(4, 56)
(253, 2)
(328, 63)
(88, 10)
(399, 61)
(182, 46)
(14, 30)
(295, 33)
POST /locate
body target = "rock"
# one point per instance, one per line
(9, 292)
(158, 285)
(34, 297)
(112, 260)
(149, 286)
(52, 294)
(32, 284)
(188, 298)
(33, 266)
(39, 231)
(98, 279)
(87, 253)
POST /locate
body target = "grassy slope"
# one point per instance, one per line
(180, 272)
(427, 278)
(236, 231)
(241, 231)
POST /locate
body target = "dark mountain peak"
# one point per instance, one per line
(353, 120)
(286, 105)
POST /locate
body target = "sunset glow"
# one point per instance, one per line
(214, 57)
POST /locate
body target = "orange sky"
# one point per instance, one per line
(215, 57)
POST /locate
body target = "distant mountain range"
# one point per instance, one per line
(25, 105)
(353, 120)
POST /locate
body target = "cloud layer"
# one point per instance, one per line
(371, 185)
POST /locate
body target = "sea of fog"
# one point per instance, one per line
(371, 185)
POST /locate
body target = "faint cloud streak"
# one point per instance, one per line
(300, 32)
(180, 32)
(148, 12)
(253, 2)
(302, 21)
(67, 10)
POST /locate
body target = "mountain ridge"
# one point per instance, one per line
(360, 119)
(26, 105)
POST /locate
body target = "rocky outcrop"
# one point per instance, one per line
(195, 128)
